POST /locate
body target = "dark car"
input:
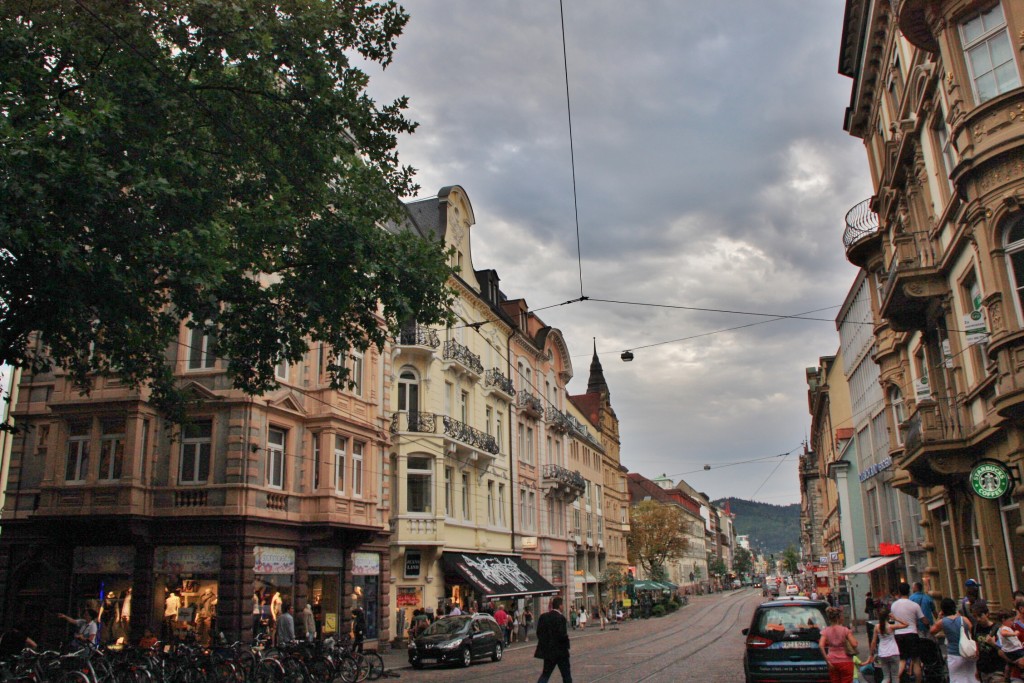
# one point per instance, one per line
(782, 642)
(459, 639)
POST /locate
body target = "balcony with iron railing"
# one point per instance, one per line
(557, 420)
(496, 383)
(529, 404)
(935, 446)
(561, 480)
(419, 335)
(862, 237)
(462, 432)
(465, 438)
(915, 287)
(458, 357)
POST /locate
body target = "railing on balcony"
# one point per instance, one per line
(529, 402)
(568, 478)
(413, 421)
(861, 222)
(418, 335)
(496, 378)
(190, 498)
(932, 422)
(460, 431)
(557, 420)
(455, 351)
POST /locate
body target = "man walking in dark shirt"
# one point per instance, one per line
(553, 643)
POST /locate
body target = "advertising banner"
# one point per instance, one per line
(365, 564)
(187, 559)
(273, 560)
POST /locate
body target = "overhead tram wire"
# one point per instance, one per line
(770, 475)
(572, 153)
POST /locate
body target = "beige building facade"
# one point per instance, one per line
(937, 99)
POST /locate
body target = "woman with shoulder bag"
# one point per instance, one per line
(885, 653)
(839, 646)
(954, 626)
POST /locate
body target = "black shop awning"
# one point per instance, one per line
(497, 576)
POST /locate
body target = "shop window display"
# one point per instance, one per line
(189, 607)
(103, 582)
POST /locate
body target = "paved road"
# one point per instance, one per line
(701, 642)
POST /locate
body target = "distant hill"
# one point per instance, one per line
(772, 528)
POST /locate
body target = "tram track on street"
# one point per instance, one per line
(713, 621)
(690, 648)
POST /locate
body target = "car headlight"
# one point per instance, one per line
(412, 644)
(451, 645)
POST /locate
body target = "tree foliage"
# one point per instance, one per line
(791, 560)
(218, 163)
(657, 533)
(743, 561)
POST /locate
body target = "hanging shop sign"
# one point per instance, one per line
(104, 559)
(947, 354)
(922, 389)
(990, 479)
(833, 557)
(889, 549)
(879, 466)
(365, 564)
(822, 560)
(186, 559)
(273, 560)
(974, 328)
(529, 542)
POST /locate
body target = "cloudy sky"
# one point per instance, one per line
(712, 171)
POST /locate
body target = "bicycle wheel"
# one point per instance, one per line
(295, 671)
(269, 671)
(374, 665)
(348, 669)
(74, 677)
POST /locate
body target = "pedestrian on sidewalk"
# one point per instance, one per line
(604, 616)
(885, 653)
(834, 639)
(527, 624)
(961, 669)
(553, 643)
(583, 618)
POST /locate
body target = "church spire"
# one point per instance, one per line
(597, 383)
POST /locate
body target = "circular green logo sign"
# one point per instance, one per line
(990, 480)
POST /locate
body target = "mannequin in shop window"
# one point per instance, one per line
(275, 612)
(172, 603)
(109, 614)
(205, 612)
(126, 612)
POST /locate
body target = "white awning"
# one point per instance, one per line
(869, 565)
(591, 578)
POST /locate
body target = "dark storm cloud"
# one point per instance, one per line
(712, 171)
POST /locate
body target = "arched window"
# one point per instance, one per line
(408, 391)
(898, 412)
(1015, 260)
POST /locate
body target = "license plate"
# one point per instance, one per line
(794, 645)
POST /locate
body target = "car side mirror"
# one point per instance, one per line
(745, 631)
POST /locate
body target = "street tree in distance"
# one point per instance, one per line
(743, 562)
(656, 535)
(791, 560)
(214, 163)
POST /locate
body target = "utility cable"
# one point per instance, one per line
(572, 154)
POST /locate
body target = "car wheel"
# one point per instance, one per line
(498, 651)
(467, 657)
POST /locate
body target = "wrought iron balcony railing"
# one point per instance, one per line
(557, 420)
(568, 478)
(419, 335)
(529, 402)
(496, 378)
(413, 421)
(460, 431)
(455, 351)
(861, 222)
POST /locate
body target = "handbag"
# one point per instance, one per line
(968, 648)
(851, 651)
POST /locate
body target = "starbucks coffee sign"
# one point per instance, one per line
(990, 479)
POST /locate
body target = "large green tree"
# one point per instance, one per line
(657, 533)
(791, 559)
(743, 562)
(205, 161)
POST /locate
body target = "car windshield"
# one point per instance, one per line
(798, 621)
(448, 626)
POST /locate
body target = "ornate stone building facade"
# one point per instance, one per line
(938, 102)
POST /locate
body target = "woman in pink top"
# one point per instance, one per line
(833, 643)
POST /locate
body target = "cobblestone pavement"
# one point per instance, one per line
(701, 642)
